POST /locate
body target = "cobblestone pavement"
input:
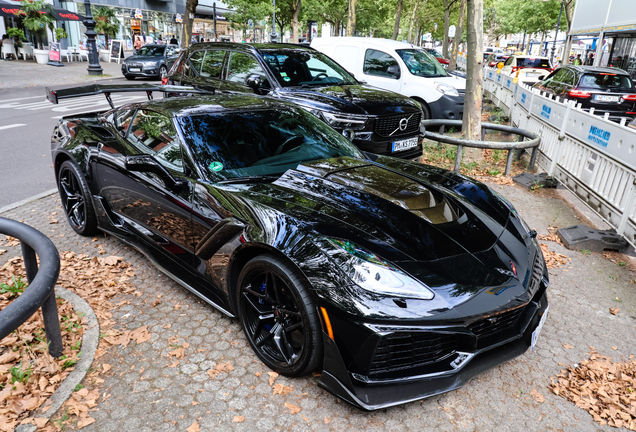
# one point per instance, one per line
(20, 73)
(148, 395)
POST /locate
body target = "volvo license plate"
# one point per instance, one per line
(535, 333)
(605, 98)
(404, 144)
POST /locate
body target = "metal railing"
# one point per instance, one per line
(520, 144)
(41, 289)
(592, 156)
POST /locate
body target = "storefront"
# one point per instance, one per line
(610, 27)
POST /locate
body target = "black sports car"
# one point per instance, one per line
(397, 280)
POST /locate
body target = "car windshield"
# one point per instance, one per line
(606, 81)
(533, 62)
(435, 53)
(421, 63)
(302, 67)
(256, 143)
(151, 51)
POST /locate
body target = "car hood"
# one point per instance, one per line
(140, 58)
(453, 80)
(400, 217)
(351, 99)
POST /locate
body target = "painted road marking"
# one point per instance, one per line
(92, 106)
(11, 126)
(25, 98)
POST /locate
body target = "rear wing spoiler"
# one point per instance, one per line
(54, 95)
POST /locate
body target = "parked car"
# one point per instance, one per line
(607, 90)
(438, 56)
(492, 50)
(402, 68)
(150, 61)
(493, 59)
(396, 280)
(529, 69)
(377, 121)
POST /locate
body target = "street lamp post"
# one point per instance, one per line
(214, 12)
(556, 34)
(273, 35)
(93, 56)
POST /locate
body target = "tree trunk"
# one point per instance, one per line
(296, 9)
(351, 18)
(458, 35)
(417, 4)
(541, 46)
(471, 126)
(447, 6)
(191, 7)
(398, 17)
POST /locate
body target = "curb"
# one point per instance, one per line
(27, 200)
(90, 341)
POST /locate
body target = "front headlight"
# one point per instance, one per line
(151, 63)
(344, 121)
(373, 273)
(446, 89)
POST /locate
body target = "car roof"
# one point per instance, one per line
(247, 47)
(386, 43)
(591, 69)
(204, 104)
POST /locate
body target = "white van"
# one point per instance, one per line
(399, 67)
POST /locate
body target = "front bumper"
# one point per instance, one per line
(371, 394)
(146, 71)
(448, 107)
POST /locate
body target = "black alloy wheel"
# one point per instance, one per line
(76, 201)
(278, 316)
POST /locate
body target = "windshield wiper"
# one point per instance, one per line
(251, 179)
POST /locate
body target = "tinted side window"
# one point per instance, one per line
(213, 64)
(241, 66)
(509, 61)
(154, 134)
(568, 78)
(377, 63)
(193, 65)
(560, 75)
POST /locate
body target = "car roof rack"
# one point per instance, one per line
(54, 95)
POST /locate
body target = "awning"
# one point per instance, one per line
(11, 8)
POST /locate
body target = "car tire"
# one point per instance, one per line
(129, 77)
(163, 71)
(76, 199)
(278, 316)
(426, 111)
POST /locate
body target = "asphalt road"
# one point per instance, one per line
(27, 120)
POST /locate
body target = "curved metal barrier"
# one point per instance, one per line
(41, 289)
(521, 144)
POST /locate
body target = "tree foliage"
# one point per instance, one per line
(34, 20)
(106, 22)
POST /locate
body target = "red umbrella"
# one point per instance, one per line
(11, 8)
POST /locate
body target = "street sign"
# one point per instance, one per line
(54, 51)
(138, 14)
(451, 31)
(178, 18)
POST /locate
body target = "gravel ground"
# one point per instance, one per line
(148, 395)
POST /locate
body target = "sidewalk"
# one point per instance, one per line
(146, 391)
(20, 73)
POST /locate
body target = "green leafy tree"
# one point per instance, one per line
(37, 17)
(105, 22)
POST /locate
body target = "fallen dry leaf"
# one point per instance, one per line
(553, 259)
(566, 346)
(293, 409)
(615, 311)
(327, 420)
(282, 389)
(40, 422)
(238, 419)
(106, 367)
(85, 421)
(537, 396)
(194, 427)
(272, 376)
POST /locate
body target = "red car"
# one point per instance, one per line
(438, 56)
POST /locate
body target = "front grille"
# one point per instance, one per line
(399, 351)
(496, 323)
(390, 126)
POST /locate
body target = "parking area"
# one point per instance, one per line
(197, 367)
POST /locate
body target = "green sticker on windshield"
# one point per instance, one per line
(216, 166)
(286, 79)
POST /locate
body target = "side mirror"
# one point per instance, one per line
(394, 71)
(147, 163)
(541, 77)
(254, 82)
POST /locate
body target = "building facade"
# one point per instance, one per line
(608, 28)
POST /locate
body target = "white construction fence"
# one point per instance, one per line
(593, 157)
